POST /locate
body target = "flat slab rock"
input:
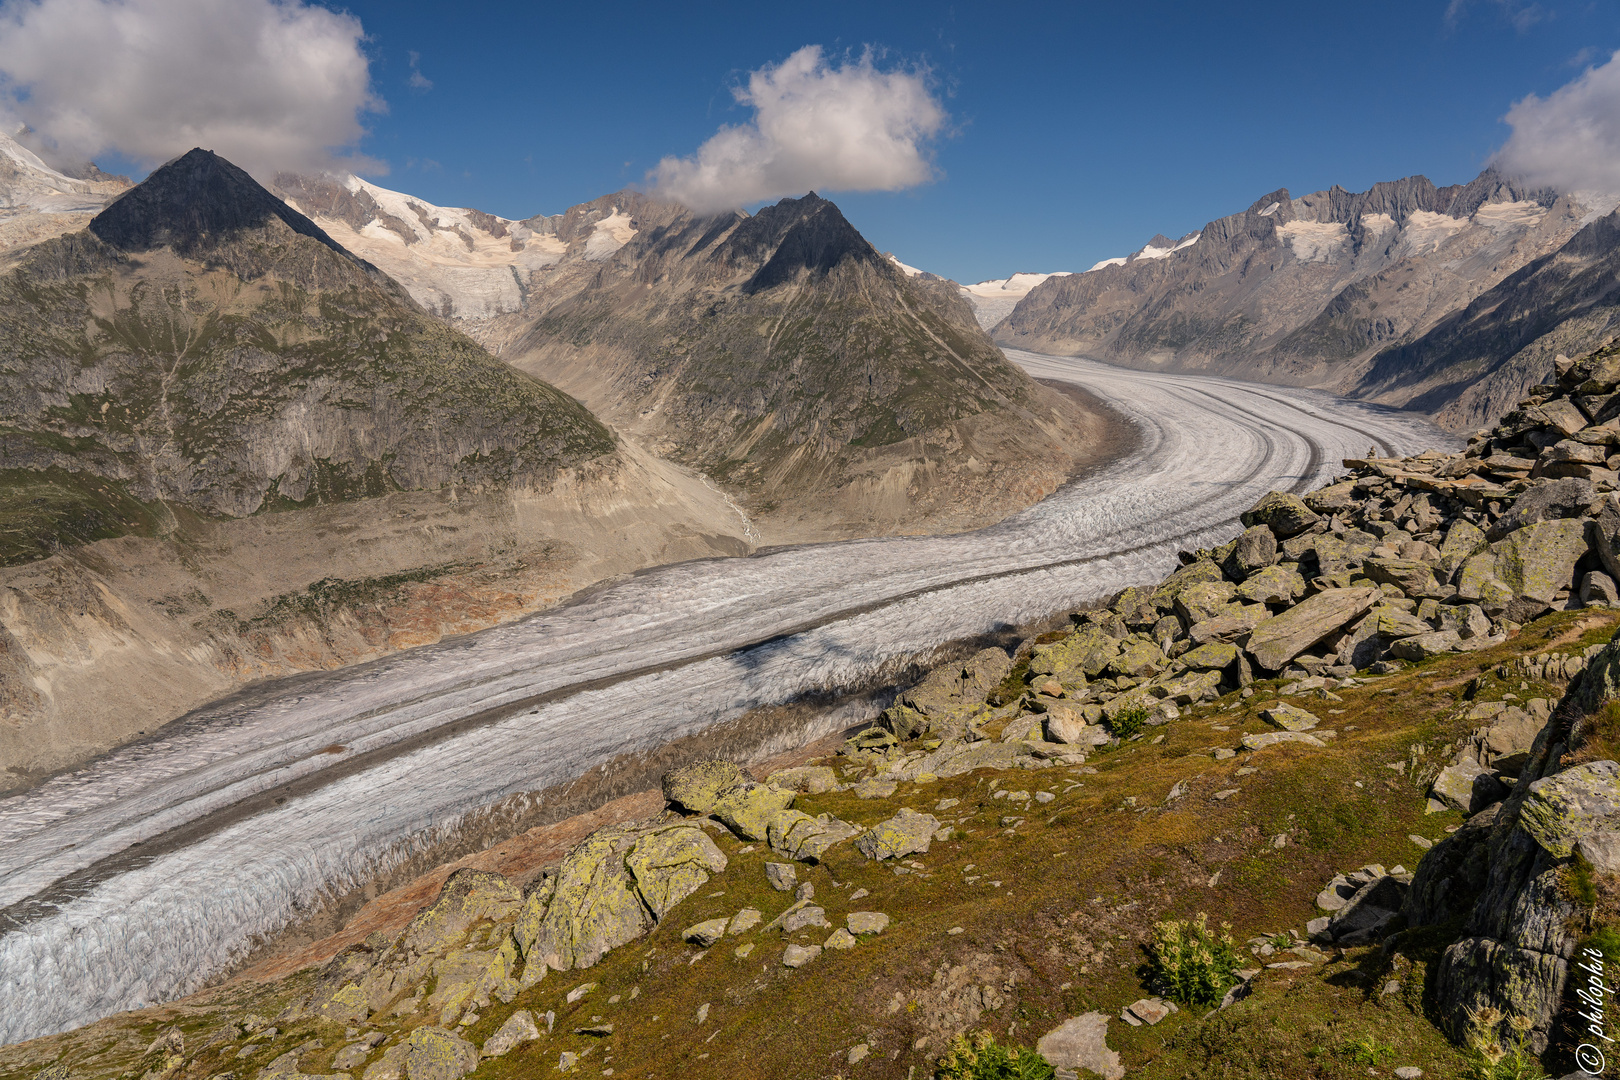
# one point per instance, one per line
(1272, 738)
(1289, 718)
(1147, 1011)
(1082, 1043)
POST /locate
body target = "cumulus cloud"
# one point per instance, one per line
(1570, 139)
(816, 125)
(269, 84)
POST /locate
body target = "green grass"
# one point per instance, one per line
(43, 512)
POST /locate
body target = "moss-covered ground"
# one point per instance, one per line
(1031, 913)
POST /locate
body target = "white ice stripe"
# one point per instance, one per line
(1209, 448)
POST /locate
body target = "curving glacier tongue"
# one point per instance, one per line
(89, 928)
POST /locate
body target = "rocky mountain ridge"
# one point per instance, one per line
(1334, 289)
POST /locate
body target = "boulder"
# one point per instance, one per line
(1284, 514)
(866, 922)
(1254, 550)
(747, 809)
(744, 921)
(907, 833)
(1068, 726)
(1272, 738)
(1413, 577)
(596, 906)
(1466, 619)
(1273, 585)
(1366, 914)
(1289, 718)
(1424, 646)
(1566, 498)
(809, 779)
(1599, 588)
(902, 721)
(803, 917)
(1333, 498)
(468, 897)
(1229, 627)
(1138, 659)
(782, 876)
(795, 956)
(1087, 651)
(706, 933)
(1577, 810)
(1214, 656)
(1463, 541)
(432, 1053)
(1081, 1043)
(672, 864)
(698, 787)
(1393, 623)
(518, 1029)
(1188, 688)
(1278, 640)
(1531, 565)
(805, 838)
(1204, 600)
(1467, 786)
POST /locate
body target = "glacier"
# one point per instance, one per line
(138, 877)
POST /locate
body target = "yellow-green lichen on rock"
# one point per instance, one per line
(1573, 809)
(1538, 560)
(433, 1053)
(672, 864)
(596, 906)
(468, 897)
(699, 786)
(747, 809)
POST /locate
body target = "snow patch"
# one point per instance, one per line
(1425, 231)
(610, 234)
(1269, 210)
(1377, 224)
(1507, 216)
(909, 271)
(1314, 241)
(1119, 261)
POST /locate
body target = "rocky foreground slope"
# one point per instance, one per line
(1450, 300)
(1418, 664)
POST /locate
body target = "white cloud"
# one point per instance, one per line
(1570, 139)
(418, 81)
(268, 84)
(815, 126)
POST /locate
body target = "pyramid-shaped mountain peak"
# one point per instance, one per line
(194, 203)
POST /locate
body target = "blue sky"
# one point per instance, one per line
(1076, 131)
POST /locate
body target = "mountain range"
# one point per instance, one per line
(1450, 300)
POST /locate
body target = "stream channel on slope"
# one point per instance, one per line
(137, 877)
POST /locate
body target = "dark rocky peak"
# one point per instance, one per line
(808, 234)
(1278, 202)
(1463, 200)
(1161, 241)
(1396, 198)
(195, 203)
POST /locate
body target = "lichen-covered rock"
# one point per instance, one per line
(1273, 585)
(1424, 646)
(1262, 740)
(795, 956)
(1413, 577)
(1467, 786)
(596, 906)
(1463, 541)
(907, 833)
(518, 1029)
(706, 933)
(1204, 600)
(1214, 656)
(1278, 640)
(432, 1053)
(1234, 624)
(1189, 688)
(1254, 550)
(1531, 565)
(1566, 498)
(805, 838)
(698, 786)
(531, 915)
(747, 809)
(1289, 717)
(1577, 810)
(1286, 515)
(671, 864)
(866, 922)
(468, 897)
(1138, 659)
(1089, 651)
(904, 722)
(468, 976)
(1082, 1043)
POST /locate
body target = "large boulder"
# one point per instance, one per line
(1521, 574)
(596, 906)
(1204, 600)
(1273, 585)
(1278, 640)
(1463, 541)
(467, 898)
(1577, 810)
(698, 786)
(1284, 514)
(1082, 1043)
(432, 1053)
(1088, 650)
(1413, 577)
(1467, 786)
(671, 864)
(747, 809)
(1424, 646)
(1567, 498)
(1254, 550)
(1139, 659)
(907, 833)
(1367, 913)
(805, 838)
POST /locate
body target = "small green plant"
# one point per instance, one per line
(1192, 963)
(1128, 721)
(1495, 1059)
(1368, 1051)
(977, 1056)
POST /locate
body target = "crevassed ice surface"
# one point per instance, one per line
(90, 930)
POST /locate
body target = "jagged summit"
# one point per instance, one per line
(192, 204)
(807, 234)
